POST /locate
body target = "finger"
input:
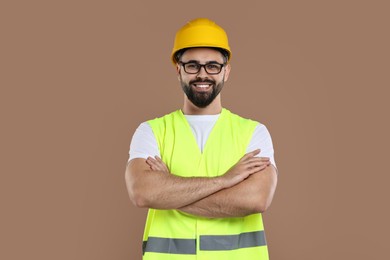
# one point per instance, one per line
(263, 166)
(153, 167)
(158, 160)
(148, 161)
(257, 159)
(254, 152)
(256, 164)
(256, 169)
(253, 170)
(150, 158)
(158, 167)
(264, 159)
(250, 155)
(151, 162)
(162, 164)
(162, 168)
(165, 168)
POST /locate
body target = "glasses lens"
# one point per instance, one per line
(192, 67)
(213, 68)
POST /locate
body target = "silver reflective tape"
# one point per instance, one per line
(231, 242)
(170, 245)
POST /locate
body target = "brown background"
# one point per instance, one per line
(78, 77)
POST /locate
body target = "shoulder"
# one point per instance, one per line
(165, 124)
(164, 118)
(143, 131)
(240, 120)
(261, 132)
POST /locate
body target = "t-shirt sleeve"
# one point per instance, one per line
(143, 144)
(261, 139)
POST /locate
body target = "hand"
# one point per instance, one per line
(156, 164)
(246, 166)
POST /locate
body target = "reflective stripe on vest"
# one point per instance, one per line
(207, 243)
(231, 242)
(170, 245)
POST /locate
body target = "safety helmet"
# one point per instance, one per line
(200, 32)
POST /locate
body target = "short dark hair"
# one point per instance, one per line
(225, 53)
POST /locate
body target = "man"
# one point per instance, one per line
(205, 174)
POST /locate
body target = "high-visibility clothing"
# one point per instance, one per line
(172, 234)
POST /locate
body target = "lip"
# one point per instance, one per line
(202, 87)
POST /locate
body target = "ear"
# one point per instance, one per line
(177, 71)
(177, 68)
(227, 71)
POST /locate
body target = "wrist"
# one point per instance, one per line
(220, 181)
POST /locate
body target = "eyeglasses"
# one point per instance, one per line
(211, 68)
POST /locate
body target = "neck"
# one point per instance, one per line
(213, 109)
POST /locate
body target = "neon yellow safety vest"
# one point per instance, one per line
(171, 234)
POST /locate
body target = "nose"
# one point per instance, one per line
(202, 72)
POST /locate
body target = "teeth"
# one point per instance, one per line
(202, 86)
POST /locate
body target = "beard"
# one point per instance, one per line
(201, 99)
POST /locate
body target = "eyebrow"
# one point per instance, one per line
(197, 61)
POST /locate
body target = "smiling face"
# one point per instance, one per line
(202, 88)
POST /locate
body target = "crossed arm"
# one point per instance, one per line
(252, 195)
(247, 188)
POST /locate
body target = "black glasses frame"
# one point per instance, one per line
(202, 65)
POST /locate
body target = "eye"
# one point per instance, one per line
(192, 66)
(213, 67)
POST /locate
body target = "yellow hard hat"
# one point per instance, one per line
(200, 32)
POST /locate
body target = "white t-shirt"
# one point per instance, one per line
(144, 144)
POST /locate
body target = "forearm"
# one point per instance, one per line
(232, 202)
(161, 190)
(253, 195)
(150, 184)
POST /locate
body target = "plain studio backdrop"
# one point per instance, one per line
(78, 77)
